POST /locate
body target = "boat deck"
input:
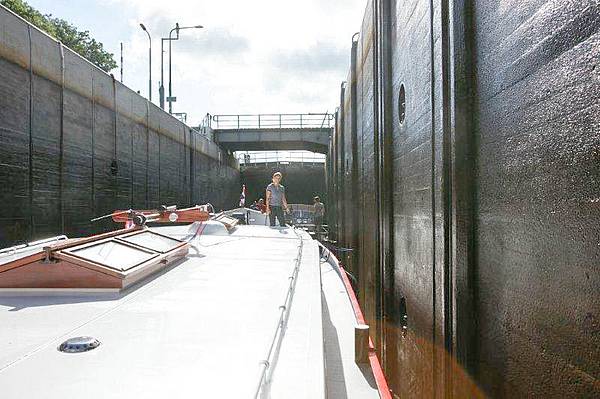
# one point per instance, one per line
(345, 378)
(200, 328)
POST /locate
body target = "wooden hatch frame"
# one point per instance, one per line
(58, 266)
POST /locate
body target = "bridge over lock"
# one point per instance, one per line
(263, 132)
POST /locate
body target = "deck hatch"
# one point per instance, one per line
(113, 254)
(151, 240)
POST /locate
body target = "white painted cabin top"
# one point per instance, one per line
(201, 328)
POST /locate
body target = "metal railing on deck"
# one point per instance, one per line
(269, 362)
(272, 121)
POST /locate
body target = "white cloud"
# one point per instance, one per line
(252, 56)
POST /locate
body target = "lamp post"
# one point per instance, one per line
(149, 63)
(170, 98)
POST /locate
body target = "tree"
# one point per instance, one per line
(65, 32)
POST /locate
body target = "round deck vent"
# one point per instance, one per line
(79, 344)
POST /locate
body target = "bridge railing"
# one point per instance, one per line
(279, 158)
(272, 121)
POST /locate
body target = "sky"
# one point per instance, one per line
(261, 56)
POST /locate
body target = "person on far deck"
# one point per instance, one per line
(319, 212)
(276, 201)
(261, 206)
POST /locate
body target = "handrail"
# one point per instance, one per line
(18, 248)
(272, 121)
(284, 314)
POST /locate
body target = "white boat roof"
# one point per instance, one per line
(199, 329)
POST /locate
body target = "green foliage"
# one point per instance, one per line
(78, 41)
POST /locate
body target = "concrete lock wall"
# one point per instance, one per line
(478, 173)
(75, 143)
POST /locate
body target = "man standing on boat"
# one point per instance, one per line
(276, 201)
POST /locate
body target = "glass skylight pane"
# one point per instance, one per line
(153, 241)
(113, 254)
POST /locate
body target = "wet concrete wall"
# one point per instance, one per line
(415, 172)
(348, 142)
(75, 143)
(366, 152)
(478, 131)
(302, 182)
(537, 210)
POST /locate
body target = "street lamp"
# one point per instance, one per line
(170, 98)
(149, 63)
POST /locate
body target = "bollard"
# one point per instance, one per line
(361, 343)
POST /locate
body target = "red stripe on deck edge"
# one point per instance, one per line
(382, 385)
